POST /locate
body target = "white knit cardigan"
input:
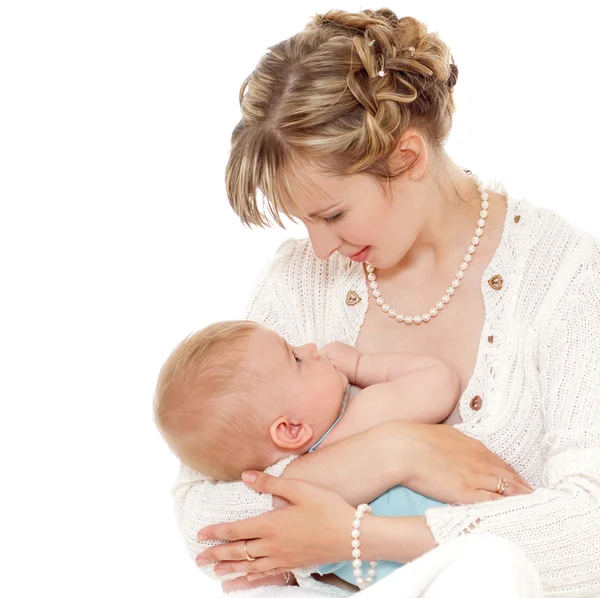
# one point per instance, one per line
(537, 373)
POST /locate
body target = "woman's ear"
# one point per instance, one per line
(410, 155)
(289, 435)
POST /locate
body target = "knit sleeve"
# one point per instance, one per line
(200, 501)
(558, 524)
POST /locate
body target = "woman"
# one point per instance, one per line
(343, 127)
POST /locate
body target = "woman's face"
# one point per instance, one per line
(352, 215)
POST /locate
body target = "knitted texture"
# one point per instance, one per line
(539, 381)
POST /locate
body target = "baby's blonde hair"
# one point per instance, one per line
(206, 403)
(318, 99)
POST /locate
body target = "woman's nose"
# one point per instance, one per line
(323, 241)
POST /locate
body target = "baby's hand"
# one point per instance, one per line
(344, 357)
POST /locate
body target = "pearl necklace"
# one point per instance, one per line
(426, 317)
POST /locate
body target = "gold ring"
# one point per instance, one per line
(502, 485)
(248, 557)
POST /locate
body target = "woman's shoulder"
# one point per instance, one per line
(551, 257)
(557, 244)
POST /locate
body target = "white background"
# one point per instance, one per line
(117, 239)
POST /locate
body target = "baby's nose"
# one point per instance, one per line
(311, 348)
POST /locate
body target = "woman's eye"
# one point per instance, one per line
(334, 218)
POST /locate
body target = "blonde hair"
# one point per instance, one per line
(317, 98)
(206, 403)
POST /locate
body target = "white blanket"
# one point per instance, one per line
(471, 566)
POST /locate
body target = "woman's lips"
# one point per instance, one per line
(361, 256)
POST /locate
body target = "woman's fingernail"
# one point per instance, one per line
(220, 571)
(201, 562)
(201, 537)
(249, 477)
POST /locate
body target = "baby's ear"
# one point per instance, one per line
(288, 435)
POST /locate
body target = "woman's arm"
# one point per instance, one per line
(435, 460)
(558, 525)
(285, 538)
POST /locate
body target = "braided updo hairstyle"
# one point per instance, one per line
(338, 95)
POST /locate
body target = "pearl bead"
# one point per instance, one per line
(355, 534)
(357, 563)
(356, 544)
(356, 523)
(357, 573)
(359, 581)
(450, 291)
(363, 508)
(371, 573)
(368, 580)
(356, 552)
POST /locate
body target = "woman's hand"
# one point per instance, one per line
(447, 465)
(285, 538)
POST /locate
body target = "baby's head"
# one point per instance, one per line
(235, 396)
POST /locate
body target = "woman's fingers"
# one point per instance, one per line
(237, 530)
(255, 576)
(494, 484)
(502, 465)
(294, 491)
(232, 551)
(515, 488)
(257, 566)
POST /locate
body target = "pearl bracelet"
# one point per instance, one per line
(361, 582)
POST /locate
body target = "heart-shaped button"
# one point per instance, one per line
(496, 282)
(352, 298)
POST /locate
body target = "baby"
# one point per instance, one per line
(236, 396)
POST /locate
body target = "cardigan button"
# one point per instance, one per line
(496, 282)
(476, 403)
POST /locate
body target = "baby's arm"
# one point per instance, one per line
(372, 368)
(399, 387)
